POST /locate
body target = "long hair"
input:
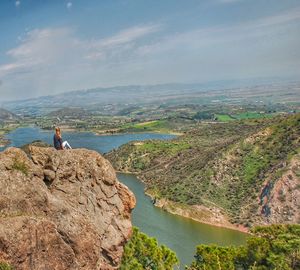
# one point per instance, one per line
(57, 132)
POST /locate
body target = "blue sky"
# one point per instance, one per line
(52, 46)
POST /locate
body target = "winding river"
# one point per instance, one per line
(180, 234)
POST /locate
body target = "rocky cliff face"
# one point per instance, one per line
(280, 200)
(62, 210)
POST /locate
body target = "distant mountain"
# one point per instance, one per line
(123, 97)
(113, 95)
(6, 115)
(69, 113)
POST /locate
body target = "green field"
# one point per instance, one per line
(251, 115)
(224, 117)
(148, 126)
(242, 116)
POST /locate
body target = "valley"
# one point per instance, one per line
(171, 108)
(223, 164)
(150, 135)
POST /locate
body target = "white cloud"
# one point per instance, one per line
(4, 69)
(37, 48)
(97, 48)
(282, 18)
(45, 47)
(17, 3)
(265, 47)
(53, 59)
(222, 34)
(69, 5)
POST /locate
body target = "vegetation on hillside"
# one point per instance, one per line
(143, 252)
(275, 247)
(221, 164)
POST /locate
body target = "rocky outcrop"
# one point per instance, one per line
(62, 210)
(280, 199)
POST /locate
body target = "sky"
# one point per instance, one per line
(53, 46)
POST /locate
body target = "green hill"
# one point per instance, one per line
(247, 171)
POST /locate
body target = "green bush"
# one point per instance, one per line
(5, 266)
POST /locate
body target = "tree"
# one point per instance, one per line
(275, 247)
(211, 257)
(143, 252)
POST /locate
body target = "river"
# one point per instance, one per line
(180, 234)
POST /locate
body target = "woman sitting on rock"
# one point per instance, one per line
(58, 142)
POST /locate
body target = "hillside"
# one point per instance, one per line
(8, 121)
(245, 173)
(69, 112)
(6, 115)
(61, 210)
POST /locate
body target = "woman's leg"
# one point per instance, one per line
(66, 145)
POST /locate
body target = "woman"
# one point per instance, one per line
(58, 142)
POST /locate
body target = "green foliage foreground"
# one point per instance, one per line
(274, 247)
(143, 252)
(5, 266)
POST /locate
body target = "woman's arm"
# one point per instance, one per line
(61, 143)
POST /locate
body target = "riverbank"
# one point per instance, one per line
(3, 131)
(4, 142)
(213, 216)
(208, 215)
(110, 132)
(120, 132)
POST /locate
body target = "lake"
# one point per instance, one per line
(180, 234)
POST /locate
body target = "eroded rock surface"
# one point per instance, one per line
(62, 210)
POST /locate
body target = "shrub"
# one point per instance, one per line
(5, 266)
(20, 166)
(143, 252)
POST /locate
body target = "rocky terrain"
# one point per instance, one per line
(62, 210)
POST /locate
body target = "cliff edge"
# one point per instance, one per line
(62, 210)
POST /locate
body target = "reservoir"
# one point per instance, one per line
(180, 234)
